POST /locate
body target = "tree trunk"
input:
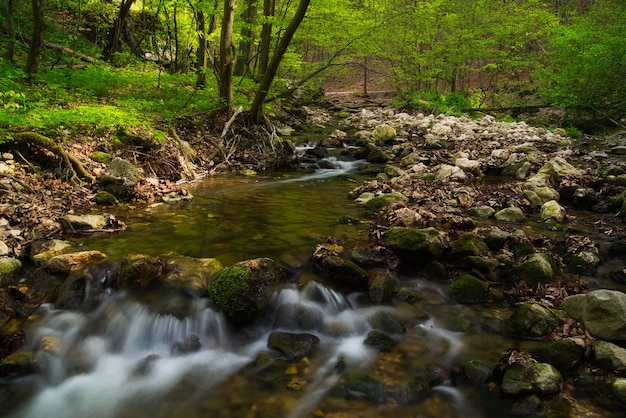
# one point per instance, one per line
(247, 39)
(8, 18)
(256, 110)
(202, 50)
(39, 28)
(226, 54)
(114, 35)
(269, 7)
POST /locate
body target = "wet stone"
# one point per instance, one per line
(380, 341)
(293, 346)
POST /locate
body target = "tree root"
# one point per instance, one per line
(73, 168)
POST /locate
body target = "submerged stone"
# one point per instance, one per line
(293, 346)
(380, 341)
(382, 286)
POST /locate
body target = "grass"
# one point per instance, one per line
(97, 98)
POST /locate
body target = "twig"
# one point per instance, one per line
(230, 122)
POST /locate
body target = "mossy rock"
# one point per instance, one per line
(380, 341)
(104, 198)
(379, 203)
(9, 267)
(382, 286)
(137, 271)
(468, 245)
(562, 354)
(415, 246)
(229, 289)
(468, 289)
(532, 320)
(101, 157)
(476, 372)
(536, 269)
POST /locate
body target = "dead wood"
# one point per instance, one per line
(63, 49)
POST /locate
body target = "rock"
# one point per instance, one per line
(610, 357)
(415, 246)
(469, 166)
(619, 150)
(602, 312)
(191, 274)
(510, 215)
(368, 257)
(537, 268)
(380, 341)
(121, 178)
(137, 271)
(293, 346)
(539, 378)
(496, 238)
(533, 198)
(557, 169)
(9, 268)
(365, 386)
(45, 249)
(338, 270)
(364, 198)
(387, 323)
(468, 244)
(406, 217)
(483, 267)
(104, 198)
(84, 222)
(482, 212)
(382, 286)
(243, 291)
(65, 263)
(584, 262)
(476, 372)
(468, 289)
(551, 211)
(384, 134)
(563, 354)
(101, 157)
(379, 203)
(450, 173)
(375, 155)
(532, 321)
(618, 387)
(547, 193)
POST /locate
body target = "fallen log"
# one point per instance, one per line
(61, 48)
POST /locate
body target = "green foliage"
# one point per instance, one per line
(451, 103)
(587, 60)
(228, 290)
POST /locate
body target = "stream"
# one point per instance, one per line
(126, 359)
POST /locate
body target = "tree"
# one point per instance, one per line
(114, 33)
(226, 54)
(39, 29)
(256, 109)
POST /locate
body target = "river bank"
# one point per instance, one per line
(495, 213)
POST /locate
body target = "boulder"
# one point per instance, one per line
(293, 346)
(9, 268)
(538, 378)
(551, 211)
(563, 354)
(191, 274)
(584, 262)
(387, 323)
(381, 286)
(298, 316)
(380, 341)
(532, 321)
(450, 173)
(535, 269)
(468, 244)
(558, 168)
(384, 134)
(243, 291)
(336, 269)
(511, 214)
(482, 212)
(415, 246)
(84, 222)
(496, 238)
(64, 263)
(468, 289)
(477, 372)
(602, 312)
(469, 166)
(374, 154)
(547, 193)
(137, 271)
(379, 203)
(610, 357)
(45, 249)
(121, 178)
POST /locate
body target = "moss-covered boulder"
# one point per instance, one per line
(104, 198)
(481, 212)
(9, 268)
(510, 215)
(468, 244)
(610, 357)
(191, 274)
(387, 323)
(137, 271)
(496, 238)
(535, 269)
(65, 263)
(243, 291)
(602, 312)
(384, 134)
(468, 289)
(415, 246)
(477, 372)
(381, 286)
(532, 320)
(342, 272)
(551, 211)
(563, 354)
(45, 249)
(539, 378)
(379, 203)
(380, 341)
(584, 262)
(101, 157)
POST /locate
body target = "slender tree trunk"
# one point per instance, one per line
(202, 50)
(256, 109)
(114, 35)
(269, 8)
(226, 54)
(247, 39)
(39, 29)
(8, 18)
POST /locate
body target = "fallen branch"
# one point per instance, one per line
(61, 48)
(230, 122)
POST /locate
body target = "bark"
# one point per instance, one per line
(202, 50)
(8, 18)
(247, 35)
(226, 55)
(269, 8)
(112, 45)
(39, 29)
(256, 110)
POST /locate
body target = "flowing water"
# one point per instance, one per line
(126, 359)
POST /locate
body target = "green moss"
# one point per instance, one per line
(468, 289)
(229, 288)
(376, 204)
(101, 157)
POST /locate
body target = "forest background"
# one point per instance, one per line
(98, 67)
